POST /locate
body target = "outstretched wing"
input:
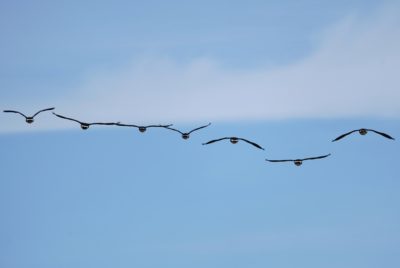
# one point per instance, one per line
(284, 160)
(16, 112)
(382, 134)
(212, 141)
(101, 123)
(199, 128)
(344, 135)
(252, 143)
(317, 157)
(170, 128)
(164, 126)
(67, 118)
(126, 125)
(48, 109)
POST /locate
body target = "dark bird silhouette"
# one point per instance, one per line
(29, 119)
(363, 131)
(186, 135)
(235, 140)
(143, 128)
(84, 125)
(298, 162)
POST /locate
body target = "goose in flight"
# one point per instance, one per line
(235, 140)
(363, 131)
(28, 119)
(298, 162)
(186, 135)
(143, 128)
(84, 125)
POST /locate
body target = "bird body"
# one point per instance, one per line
(363, 131)
(235, 140)
(186, 135)
(298, 162)
(142, 129)
(83, 125)
(29, 119)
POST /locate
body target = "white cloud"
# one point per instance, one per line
(353, 72)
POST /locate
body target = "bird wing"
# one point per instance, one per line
(344, 135)
(284, 160)
(164, 126)
(48, 109)
(199, 128)
(252, 143)
(382, 134)
(101, 123)
(16, 112)
(317, 157)
(170, 128)
(126, 125)
(212, 141)
(67, 118)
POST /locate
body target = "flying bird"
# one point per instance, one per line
(143, 128)
(298, 162)
(235, 140)
(186, 135)
(29, 119)
(363, 131)
(84, 125)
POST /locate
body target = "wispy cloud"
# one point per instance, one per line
(354, 71)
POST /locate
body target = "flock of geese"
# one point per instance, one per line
(186, 135)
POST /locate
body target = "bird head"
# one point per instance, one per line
(298, 162)
(363, 131)
(29, 120)
(234, 140)
(84, 126)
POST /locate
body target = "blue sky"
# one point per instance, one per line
(291, 76)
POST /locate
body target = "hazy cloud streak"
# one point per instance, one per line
(353, 72)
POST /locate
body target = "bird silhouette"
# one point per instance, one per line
(84, 125)
(142, 128)
(363, 131)
(186, 135)
(235, 140)
(298, 162)
(29, 119)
